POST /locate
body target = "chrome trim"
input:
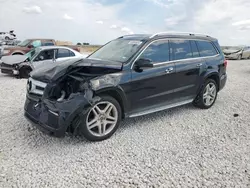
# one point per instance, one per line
(161, 108)
(179, 33)
(173, 61)
(54, 113)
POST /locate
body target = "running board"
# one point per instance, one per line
(161, 108)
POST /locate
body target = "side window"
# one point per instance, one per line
(157, 52)
(47, 43)
(206, 48)
(194, 49)
(45, 55)
(72, 54)
(36, 43)
(180, 49)
(63, 53)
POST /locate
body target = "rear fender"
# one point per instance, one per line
(205, 76)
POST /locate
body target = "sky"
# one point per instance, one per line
(99, 21)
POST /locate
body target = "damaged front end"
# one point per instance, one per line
(60, 104)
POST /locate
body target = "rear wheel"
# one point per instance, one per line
(102, 119)
(207, 95)
(7, 38)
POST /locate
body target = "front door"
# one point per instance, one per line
(44, 58)
(154, 86)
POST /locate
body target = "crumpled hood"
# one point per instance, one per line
(52, 71)
(13, 59)
(231, 51)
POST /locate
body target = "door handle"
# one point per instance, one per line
(169, 70)
(199, 65)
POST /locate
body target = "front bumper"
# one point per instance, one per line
(232, 56)
(52, 117)
(8, 69)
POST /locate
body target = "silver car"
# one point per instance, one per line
(22, 65)
(238, 52)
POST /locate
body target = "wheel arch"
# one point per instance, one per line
(118, 94)
(210, 75)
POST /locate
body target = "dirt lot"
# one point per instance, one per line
(182, 147)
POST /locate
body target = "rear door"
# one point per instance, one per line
(63, 54)
(154, 86)
(185, 55)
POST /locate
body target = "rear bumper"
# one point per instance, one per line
(223, 80)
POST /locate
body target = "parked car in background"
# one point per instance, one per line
(238, 52)
(22, 65)
(7, 35)
(27, 45)
(128, 77)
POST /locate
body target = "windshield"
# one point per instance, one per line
(117, 50)
(31, 54)
(24, 43)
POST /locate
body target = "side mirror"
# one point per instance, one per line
(143, 62)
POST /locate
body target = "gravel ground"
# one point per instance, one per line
(182, 147)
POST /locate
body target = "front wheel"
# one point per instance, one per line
(239, 57)
(207, 95)
(102, 119)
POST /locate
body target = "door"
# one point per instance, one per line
(44, 58)
(153, 86)
(188, 64)
(63, 54)
(246, 53)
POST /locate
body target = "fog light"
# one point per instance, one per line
(15, 72)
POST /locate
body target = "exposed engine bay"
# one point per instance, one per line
(77, 81)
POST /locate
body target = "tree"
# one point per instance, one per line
(79, 44)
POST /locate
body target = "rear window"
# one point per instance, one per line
(206, 49)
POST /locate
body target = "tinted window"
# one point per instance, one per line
(206, 48)
(194, 49)
(180, 49)
(63, 53)
(157, 52)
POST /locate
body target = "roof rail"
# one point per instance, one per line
(179, 33)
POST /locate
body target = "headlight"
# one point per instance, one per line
(6, 51)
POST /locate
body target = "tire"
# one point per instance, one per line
(85, 119)
(239, 57)
(7, 38)
(200, 100)
(24, 72)
(17, 54)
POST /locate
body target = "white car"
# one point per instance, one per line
(22, 65)
(238, 52)
(7, 36)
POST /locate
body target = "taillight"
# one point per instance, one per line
(225, 63)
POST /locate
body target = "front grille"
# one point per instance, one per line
(6, 65)
(35, 87)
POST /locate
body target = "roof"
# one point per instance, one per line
(54, 47)
(168, 34)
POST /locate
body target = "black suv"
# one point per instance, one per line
(130, 76)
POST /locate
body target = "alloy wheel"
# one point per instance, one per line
(102, 118)
(209, 94)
